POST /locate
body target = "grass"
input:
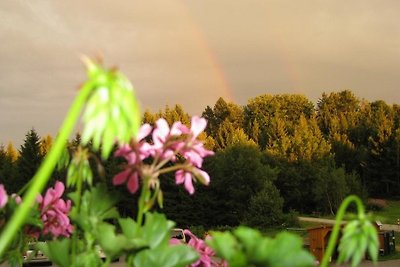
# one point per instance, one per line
(390, 214)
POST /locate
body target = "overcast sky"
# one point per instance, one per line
(192, 52)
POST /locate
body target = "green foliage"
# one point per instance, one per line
(265, 208)
(175, 114)
(56, 251)
(234, 184)
(112, 112)
(297, 142)
(94, 206)
(7, 170)
(45, 144)
(359, 236)
(261, 113)
(332, 186)
(15, 252)
(79, 170)
(223, 111)
(29, 160)
(247, 247)
(143, 245)
(337, 112)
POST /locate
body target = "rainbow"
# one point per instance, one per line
(200, 38)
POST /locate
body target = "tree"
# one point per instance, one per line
(7, 169)
(228, 135)
(222, 112)
(29, 160)
(342, 106)
(238, 174)
(12, 152)
(45, 144)
(175, 114)
(261, 112)
(306, 143)
(149, 117)
(380, 173)
(265, 208)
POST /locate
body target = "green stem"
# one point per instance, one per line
(40, 179)
(174, 168)
(335, 232)
(139, 219)
(75, 233)
(144, 196)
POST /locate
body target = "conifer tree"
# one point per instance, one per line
(29, 160)
(12, 152)
(45, 144)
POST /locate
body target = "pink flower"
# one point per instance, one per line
(184, 177)
(3, 196)
(134, 157)
(207, 255)
(130, 176)
(54, 211)
(194, 150)
(167, 143)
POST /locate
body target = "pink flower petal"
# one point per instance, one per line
(179, 177)
(122, 150)
(162, 127)
(3, 196)
(59, 189)
(176, 128)
(188, 183)
(144, 131)
(121, 177)
(198, 125)
(133, 183)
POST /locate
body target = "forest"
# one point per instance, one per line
(276, 156)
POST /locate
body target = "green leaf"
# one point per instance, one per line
(97, 205)
(79, 170)
(156, 229)
(57, 251)
(111, 243)
(129, 227)
(166, 256)
(226, 246)
(63, 161)
(287, 250)
(247, 247)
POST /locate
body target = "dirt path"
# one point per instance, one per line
(385, 227)
(392, 263)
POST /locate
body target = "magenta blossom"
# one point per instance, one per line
(130, 176)
(3, 196)
(54, 211)
(207, 255)
(177, 144)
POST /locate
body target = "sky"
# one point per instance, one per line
(191, 52)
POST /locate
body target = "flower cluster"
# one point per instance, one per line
(207, 255)
(54, 211)
(177, 144)
(52, 208)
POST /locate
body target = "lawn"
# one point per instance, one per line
(390, 214)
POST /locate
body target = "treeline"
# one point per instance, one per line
(275, 155)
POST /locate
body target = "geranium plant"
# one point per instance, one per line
(85, 225)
